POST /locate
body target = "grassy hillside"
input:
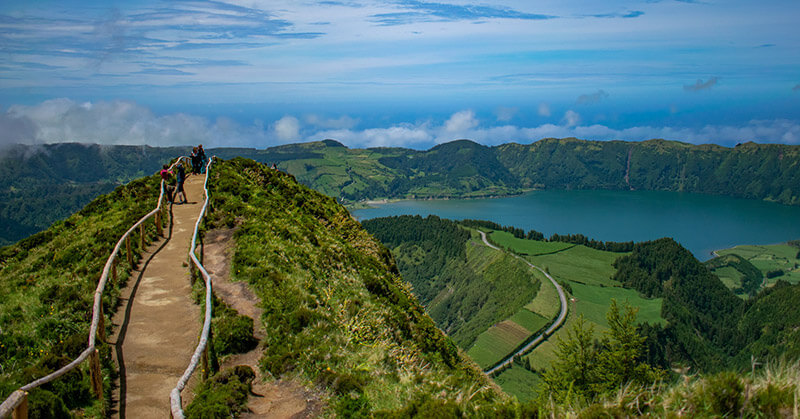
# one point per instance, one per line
(336, 312)
(465, 286)
(708, 327)
(48, 281)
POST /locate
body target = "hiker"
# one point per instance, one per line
(166, 176)
(201, 156)
(195, 161)
(180, 177)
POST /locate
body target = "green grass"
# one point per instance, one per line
(497, 342)
(529, 320)
(769, 258)
(593, 303)
(47, 283)
(529, 247)
(729, 276)
(337, 314)
(546, 303)
(519, 382)
(579, 264)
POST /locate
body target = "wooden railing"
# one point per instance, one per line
(200, 351)
(17, 402)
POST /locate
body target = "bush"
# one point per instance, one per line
(770, 401)
(722, 394)
(233, 334)
(46, 405)
(223, 395)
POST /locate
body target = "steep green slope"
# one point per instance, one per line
(47, 283)
(465, 286)
(336, 312)
(708, 327)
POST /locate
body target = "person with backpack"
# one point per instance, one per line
(180, 176)
(166, 176)
(201, 157)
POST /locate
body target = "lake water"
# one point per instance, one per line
(701, 223)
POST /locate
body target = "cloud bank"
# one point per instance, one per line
(122, 122)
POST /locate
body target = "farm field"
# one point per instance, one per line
(497, 342)
(528, 247)
(767, 258)
(519, 382)
(588, 273)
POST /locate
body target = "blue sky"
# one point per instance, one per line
(398, 73)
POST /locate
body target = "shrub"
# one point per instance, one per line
(233, 334)
(223, 395)
(769, 401)
(722, 394)
(46, 405)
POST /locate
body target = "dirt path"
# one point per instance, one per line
(158, 323)
(272, 399)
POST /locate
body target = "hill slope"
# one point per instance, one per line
(335, 308)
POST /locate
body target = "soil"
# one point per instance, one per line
(269, 398)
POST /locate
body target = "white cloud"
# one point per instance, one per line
(63, 120)
(571, 118)
(287, 129)
(544, 109)
(461, 122)
(343, 122)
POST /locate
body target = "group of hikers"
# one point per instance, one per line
(175, 188)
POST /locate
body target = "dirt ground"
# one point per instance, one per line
(158, 323)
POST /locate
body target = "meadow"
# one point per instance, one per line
(777, 261)
(586, 274)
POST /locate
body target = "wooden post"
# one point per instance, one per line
(114, 270)
(128, 248)
(21, 411)
(97, 377)
(205, 362)
(159, 228)
(101, 325)
(141, 237)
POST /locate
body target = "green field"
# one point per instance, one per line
(588, 272)
(546, 303)
(529, 247)
(579, 264)
(519, 382)
(529, 320)
(497, 342)
(767, 258)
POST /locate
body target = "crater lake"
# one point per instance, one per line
(701, 223)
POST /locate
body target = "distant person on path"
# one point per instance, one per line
(201, 157)
(166, 176)
(180, 177)
(195, 161)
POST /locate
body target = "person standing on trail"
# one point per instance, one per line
(180, 177)
(201, 156)
(195, 161)
(166, 175)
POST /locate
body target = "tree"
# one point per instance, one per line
(585, 369)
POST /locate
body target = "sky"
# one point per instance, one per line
(406, 73)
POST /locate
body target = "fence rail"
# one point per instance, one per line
(17, 403)
(175, 395)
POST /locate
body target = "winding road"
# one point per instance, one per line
(562, 315)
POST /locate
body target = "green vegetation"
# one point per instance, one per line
(336, 312)
(777, 261)
(48, 281)
(45, 183)
(465, 286)
(586, 369)
(737, 273)
(222, 396)
(708, 327)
